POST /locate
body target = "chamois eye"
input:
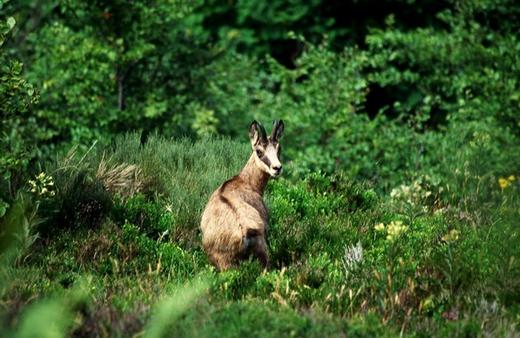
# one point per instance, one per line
(259, 153)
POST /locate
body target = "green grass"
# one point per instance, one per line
(453, 271)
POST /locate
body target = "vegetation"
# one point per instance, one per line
(397, 214)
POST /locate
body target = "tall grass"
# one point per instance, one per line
(181, 174)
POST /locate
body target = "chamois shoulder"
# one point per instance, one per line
(232, 184)
(236, 192)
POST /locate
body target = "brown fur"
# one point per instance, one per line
(235, 221)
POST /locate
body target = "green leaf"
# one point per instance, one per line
(11, 22)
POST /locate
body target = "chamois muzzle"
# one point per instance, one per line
(277, 171)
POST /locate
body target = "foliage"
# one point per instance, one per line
(170, 309)
(397, 214)
(79, 198)
(93, 62)
(377, 111)
(18, 229)
(150, 217)
(18, 126)
(384, 262)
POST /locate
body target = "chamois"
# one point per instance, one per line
(235, 221)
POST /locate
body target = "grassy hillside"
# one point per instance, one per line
(118, 251)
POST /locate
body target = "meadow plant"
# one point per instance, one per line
(42, 186)
(352, 259)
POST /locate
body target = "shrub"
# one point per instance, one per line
(18, 230)
(81, 201)
(307, 217)
(149, 216)
(18, 129)
(80, 198)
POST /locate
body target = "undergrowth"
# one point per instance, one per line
(431, 257)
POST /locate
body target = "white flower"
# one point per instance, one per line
(353, 256)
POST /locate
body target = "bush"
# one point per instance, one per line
(78, 197)
(307, 218)
(150, 217)
(18, 129)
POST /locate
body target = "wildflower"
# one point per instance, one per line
(380, 227)
(394, 193)
(353, 256)
(504, 182)
(395, 229)
(451, 236)
(42, 185)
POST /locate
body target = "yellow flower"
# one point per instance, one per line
(380, 227)
(451, 236)
(395, 229)
(511, 178)
(503, 183)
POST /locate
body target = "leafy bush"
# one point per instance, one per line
(150, 217)
(90, 63)
(18, 128)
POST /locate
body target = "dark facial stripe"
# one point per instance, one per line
(266, 161)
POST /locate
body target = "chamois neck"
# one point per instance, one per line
(254, 176)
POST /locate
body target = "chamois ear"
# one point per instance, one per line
(257, 133)
(277, 132)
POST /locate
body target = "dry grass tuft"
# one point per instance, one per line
(124, 179)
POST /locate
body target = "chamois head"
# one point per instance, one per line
(267, 149)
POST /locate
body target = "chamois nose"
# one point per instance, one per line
(277, 169)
